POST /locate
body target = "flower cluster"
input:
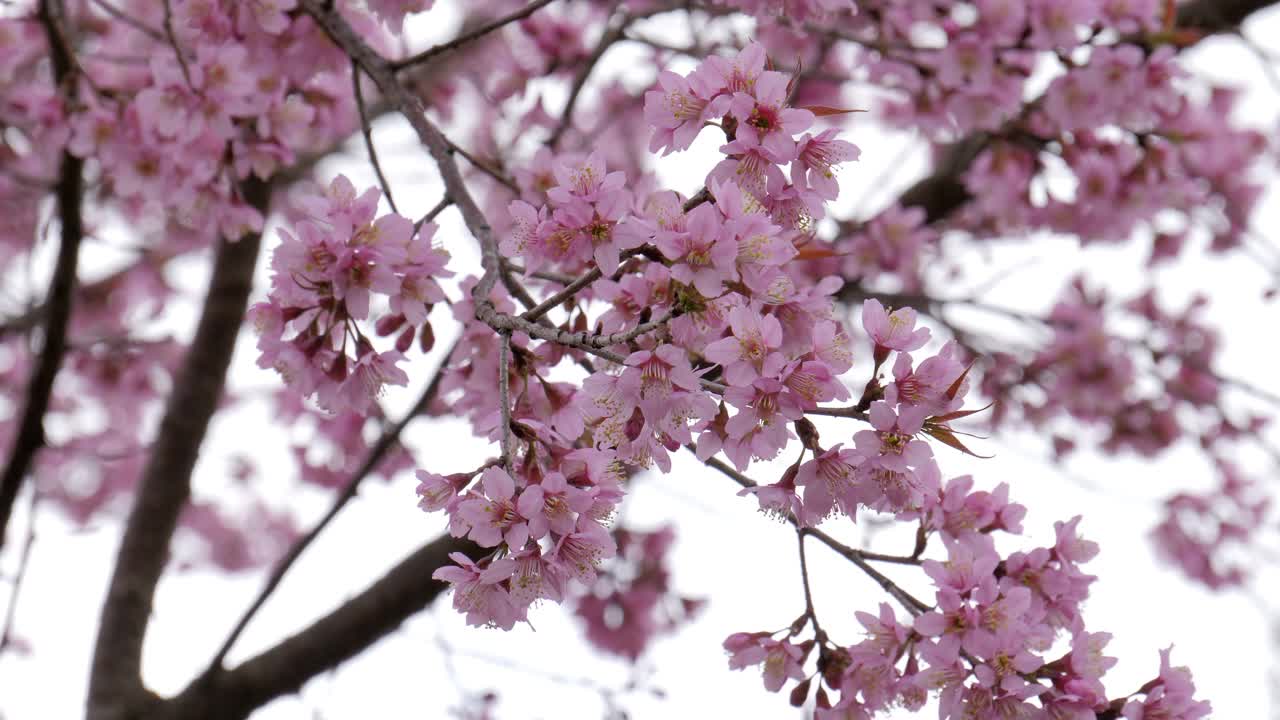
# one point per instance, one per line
(985, 643)
(549, 527)
(633, 602)
(325, 274)
(705, 323)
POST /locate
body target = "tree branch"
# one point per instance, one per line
(57, 308)
(326, 643)
(115, 682)
(367, 132)
(943, 191)
(385, 443)
(467, 37)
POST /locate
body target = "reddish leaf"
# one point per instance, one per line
(955, 386)
(948, 417)
(825, 111)
(944, 435)
(810, 252)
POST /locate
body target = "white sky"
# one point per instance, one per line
(745, 564)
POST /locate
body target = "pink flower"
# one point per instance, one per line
(552, 505)
(764, 122)
(678, 111)
(829, 483)
(1169, 695)
(371, 372)
(493, 517)
(436, 492)
(705, 253)
(577, 554)
(892, 331)
(816, 158)
(738, 74)
(749, 351)
(478, 591)
(781, 659)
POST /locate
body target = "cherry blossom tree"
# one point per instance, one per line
(822, 357)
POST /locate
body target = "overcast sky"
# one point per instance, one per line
(743, 563)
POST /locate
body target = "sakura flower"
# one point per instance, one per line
(577, 554)
(678, 111)
(478, 592)
(780, 659)
(552, 505)
(704, 253)
(778, 500)
(763, 120)
(435, 492)
(749, 351)
(738, 74)
(1169, 695)
(892, 331)
(493, 517)
(816, 158)
(829, 483)
(366, 380)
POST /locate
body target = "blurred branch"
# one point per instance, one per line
(384, 445)
(7, 636)
(56, 312)
(324, 644)
(115, 682)
(467, 37)
(943, 192)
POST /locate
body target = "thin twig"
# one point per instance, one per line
(130, 20)
(611, 36)
(465, 38)
(804, 580)
(30, 437)
(504, 398)
(484, 167)
(385, 443)
(173, 41)
(912, 604)
(445, 202)
(575, 286)
(367, 132)
(857, 557)
(6, 635)
(840, 412)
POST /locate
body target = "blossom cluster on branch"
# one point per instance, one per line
(616, 321)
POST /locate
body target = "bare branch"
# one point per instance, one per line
(504, 399)
(367, 132)
(323, 645)
(29, 437)
(611, 36)
(385, 443)
(465, 38)
(165, 487)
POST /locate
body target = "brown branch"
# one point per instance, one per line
(373, 458)
(325, 644)
(504, 401)
(30, 437)
(1212, 17)
(165, 487)
(943, 191)
(7, 635)
(859, 558)
(367, 132)
(465, 38)
(445, 202)
(611, 36)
